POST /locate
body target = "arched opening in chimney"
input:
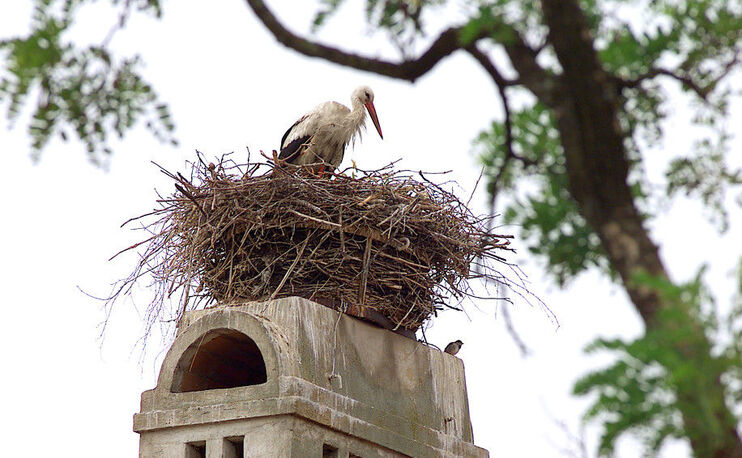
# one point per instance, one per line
(221, 358)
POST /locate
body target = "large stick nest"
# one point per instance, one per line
(373, 239)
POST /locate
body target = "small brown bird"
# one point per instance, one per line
(453, 347)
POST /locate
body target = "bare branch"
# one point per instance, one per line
(687, 81)
(545, 85)
(490, 68)
(502, 83)
(524, 350)
(576, 443)
(410, 70)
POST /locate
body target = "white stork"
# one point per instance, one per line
(319, 137)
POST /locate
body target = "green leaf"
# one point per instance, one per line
(548, 217)
(84, 90)
(636, 394)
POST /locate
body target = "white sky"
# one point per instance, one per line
(231, 86)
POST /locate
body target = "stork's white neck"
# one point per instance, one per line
(357, 116)
(357, 103)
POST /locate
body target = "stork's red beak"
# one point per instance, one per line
(374, 118)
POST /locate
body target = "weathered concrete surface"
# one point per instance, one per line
(331, 379)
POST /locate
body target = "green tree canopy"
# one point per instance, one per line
(595, 73)
(593, 81)
(83, 91)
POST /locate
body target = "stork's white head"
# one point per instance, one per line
(363, 95)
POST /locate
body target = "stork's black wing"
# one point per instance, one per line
(290, 151)
(283, 139)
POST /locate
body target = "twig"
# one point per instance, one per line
(404, 253)
(524, 350)
(191, 198)
(291, 269)
(364, 273)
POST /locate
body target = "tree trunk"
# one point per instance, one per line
(584, 101)
(597, 167)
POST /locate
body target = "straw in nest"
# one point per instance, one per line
(377, 240)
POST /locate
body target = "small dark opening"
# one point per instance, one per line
(196, 449)
(221, 358)
(234, 447)
(328, 451)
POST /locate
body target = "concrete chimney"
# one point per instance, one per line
(292, 378)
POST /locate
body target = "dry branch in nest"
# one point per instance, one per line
(380, 240)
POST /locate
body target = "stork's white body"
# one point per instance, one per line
(330, 127)
(320, 136)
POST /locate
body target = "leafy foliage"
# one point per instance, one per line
(733, 351)
(84, 90)
(704, 175)
(700, 38)
(507, 16)
(642, 46)
(548, 218)
(329, 7)
(401, 19)
(638, 393)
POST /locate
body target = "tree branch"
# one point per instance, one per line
(524, 350)
(502, 84)
(545, 85)
(685, 80)
(654, 72)
(410, 70)
(596, 160)
(597, 166)
(490, 68)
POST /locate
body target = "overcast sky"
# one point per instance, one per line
(230, 87)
